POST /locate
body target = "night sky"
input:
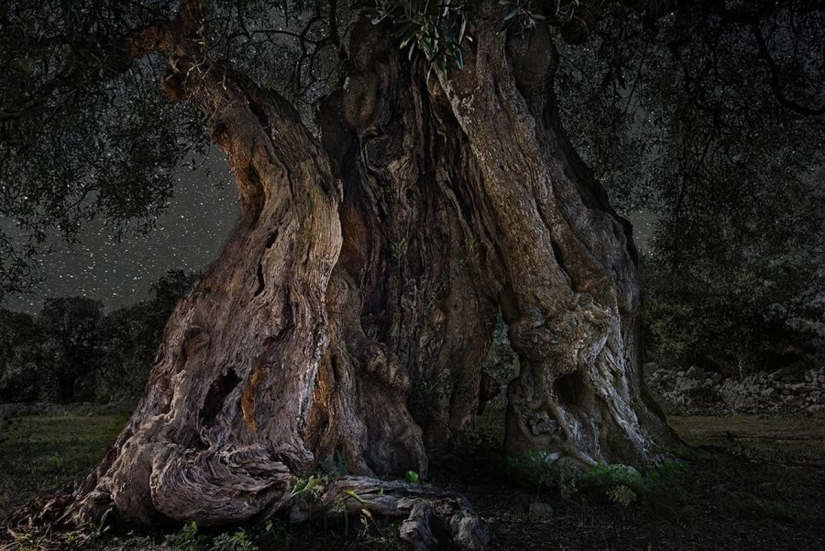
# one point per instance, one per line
(188, 236)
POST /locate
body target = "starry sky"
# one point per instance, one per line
(188, 236)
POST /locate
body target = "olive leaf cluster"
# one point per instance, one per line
(437, 30)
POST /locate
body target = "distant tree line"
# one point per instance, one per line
(72, 351)
(742, 318)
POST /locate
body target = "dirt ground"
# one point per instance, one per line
(748, 483)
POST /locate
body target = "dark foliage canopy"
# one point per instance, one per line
(704, 112)
(710, 119)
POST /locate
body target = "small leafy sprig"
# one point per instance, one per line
(435, 29)
(525, 11)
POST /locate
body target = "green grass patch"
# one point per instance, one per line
(780, 439)
(42, 453)
(699, 429)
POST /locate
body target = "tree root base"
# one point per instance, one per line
(429, 519)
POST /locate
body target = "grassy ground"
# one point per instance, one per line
(750, 482)
(43, 453)
(789, 440)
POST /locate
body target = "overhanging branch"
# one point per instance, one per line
(776, 85)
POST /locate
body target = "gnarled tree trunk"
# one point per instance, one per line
(349, 312)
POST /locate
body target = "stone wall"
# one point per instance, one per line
(696, 391)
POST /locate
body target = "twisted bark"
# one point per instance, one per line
(349, 312)
(572, 295)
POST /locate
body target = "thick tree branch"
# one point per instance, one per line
(95, 59)
(776, 84)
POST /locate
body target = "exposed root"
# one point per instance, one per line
(429, 516)
(429, 519)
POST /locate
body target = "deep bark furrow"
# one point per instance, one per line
(265, 367)
(347, 317)
(583, 328)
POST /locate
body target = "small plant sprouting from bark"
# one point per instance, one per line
(355, 496)
(308, 491)
(307, 485)
(412, 477)
(436, 29)
(471, 247)
(399, 249)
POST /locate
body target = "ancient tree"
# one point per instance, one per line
(349, 312)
